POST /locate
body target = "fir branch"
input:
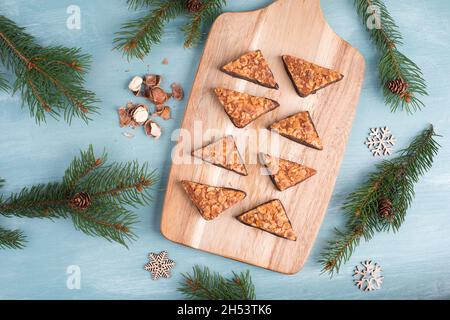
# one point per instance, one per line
(49, 79)
(193, 30)
(138, 35)
(244, 283)
(393, 64)
(122, 183)
(206, 285)
(138, 4)
(82, 166)
(101, 223)
(394, 179)
(11, 239)
(39, 201)
(105, 190)
(3, 83)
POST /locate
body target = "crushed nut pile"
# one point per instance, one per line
(137, 115)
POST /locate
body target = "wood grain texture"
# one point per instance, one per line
(302, 32)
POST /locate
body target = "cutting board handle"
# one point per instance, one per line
(311, 5)
(284, 8)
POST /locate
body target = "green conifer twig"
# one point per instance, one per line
(137, 36)
(3, 83)
(193, 30)
(107, 188)
(385, 34)
(203, 284)
(11, 239)
(50, 79)
(394, 179)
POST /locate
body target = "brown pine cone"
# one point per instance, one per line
(80, 201)
(385, 208)
(194, 6)
(397, 86)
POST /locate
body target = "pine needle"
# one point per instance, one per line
(50, 79)
(393, 65)
(110, 188)
(394, 179)
(11, 239)
(137, 37)
(4, 86)
(138, 4)
(193, 30)
(203, 284)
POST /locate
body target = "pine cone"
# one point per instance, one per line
(80, 201)
(385, 208)
(194, 6)
(397, 86)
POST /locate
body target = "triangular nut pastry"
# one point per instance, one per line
(243, 108)
(270, 217)
(212, 201)
(223, 153)
(284, 173)
(308, 77)
(252, 67)
(299, 128)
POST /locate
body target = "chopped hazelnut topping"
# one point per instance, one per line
(212, 201)
(270, 217)
(252, 67)
(243, 108)
(299, 128)
(223, 153)
(308, 77)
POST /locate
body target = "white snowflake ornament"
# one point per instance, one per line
(367, 276)
(159, 265)
(380, 141)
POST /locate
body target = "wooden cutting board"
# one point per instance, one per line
(294, 27)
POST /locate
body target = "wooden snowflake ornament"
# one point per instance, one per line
(159, 265)
(380, 141)
(367, 276)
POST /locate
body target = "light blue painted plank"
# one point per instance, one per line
(414, 261)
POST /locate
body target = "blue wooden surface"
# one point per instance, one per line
(415, 261)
